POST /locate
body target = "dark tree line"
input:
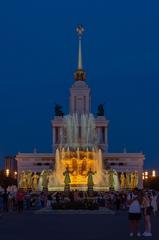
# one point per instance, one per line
(152, 183)
(6, 181)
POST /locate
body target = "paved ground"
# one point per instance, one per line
(30, 226)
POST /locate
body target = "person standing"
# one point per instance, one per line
(27, 199)
(147, 214)
(10, 201)
(20, 200)
(154, 202)
(5, 200)
(134, 214)
(118, 202)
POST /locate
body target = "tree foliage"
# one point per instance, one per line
(6, 181)
(152, 183)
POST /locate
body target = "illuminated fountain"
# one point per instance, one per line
(78, 150)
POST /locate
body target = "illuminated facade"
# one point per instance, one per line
(79, 136)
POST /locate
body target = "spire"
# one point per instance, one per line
(80, 67)
(80, 74)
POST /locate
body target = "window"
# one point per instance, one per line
(121, 164)
(46, 164)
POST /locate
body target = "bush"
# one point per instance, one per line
(76, 205)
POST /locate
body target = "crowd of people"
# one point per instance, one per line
(139, 203)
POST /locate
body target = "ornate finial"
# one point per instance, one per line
(80, 74)
(80, 30)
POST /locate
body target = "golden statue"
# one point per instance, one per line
(122, 180)
(29, 179)
(35, 179)
(67, 179)
(84, 167)
(90, 177)
(111, 179)
(74, 166)
(127, 180)
(23, 180)
(134, 179)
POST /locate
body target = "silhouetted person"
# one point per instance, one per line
(20, 201)
(5, 201)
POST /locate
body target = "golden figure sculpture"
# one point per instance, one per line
(29, 179)
(23, 180)
(122, 180)
(90, 177)
(67, 179)
(44, 179)
(74, 166)
(35, 179)
(84, 167)
(127, 180)
(134, 179)
(111, 179)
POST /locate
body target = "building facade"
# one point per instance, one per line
(80, 105)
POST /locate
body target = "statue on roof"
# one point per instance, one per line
(58, 110)
(100, 110)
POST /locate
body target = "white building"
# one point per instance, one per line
(80, 103)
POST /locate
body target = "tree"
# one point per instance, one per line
(152, 183)
(6, 181)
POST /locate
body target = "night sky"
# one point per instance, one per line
(38, 56)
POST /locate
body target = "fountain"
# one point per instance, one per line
(78, 151)
(78, 154)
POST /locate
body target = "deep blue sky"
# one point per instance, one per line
(38, 56)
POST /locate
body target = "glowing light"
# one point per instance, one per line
(153, 173)
(7, 172)
(143, 176)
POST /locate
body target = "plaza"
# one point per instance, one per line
(88, 226)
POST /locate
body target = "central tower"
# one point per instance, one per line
(80, 92)
(74, 127)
